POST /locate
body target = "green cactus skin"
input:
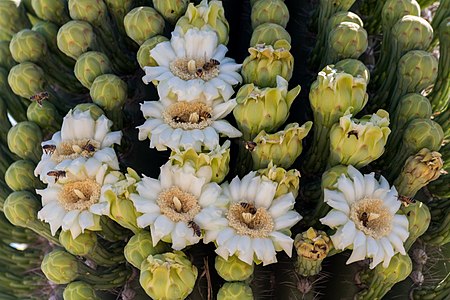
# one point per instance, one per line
(439, 18)
(438, 234)
(6, 59)
(13, 19)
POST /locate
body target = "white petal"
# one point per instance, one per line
(344, 236)
(388, 251)
(102, 127)
(287, 220)
(334, 219)
(397, 243)
(144, 205)
(149, 188)
(266, 192)
(370, 184)
(245, 251)
(69, 219)
(147, 219)
(152, 109)
(113, 137)
(264, 250)
(336, 200)
(163, 54)
(359, 248)
(283, 241)
(345, 185)
(282, 205)
(86, 220)
(225, 128)
(209, 195)
(162, 227)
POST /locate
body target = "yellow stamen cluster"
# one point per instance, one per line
(246, 221)
(188, 115)
(371, 217)
(177, 205)
(73, 149)
(193, 68)
(79, 195)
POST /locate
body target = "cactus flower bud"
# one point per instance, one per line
(312, 247)
(45, 115)
(28, 45)
(263, 109)
(60, 267)
(419, 170)
(419, 218)
(20, 208)
(95, 111)
(233, 269)
(75, 38)
(20, 176)
(215, 161)
(206, 16)
(269, 33)
(143, 55)
(109, 92)
(171, 10)
(168, 276)
(359, 142)
(269, 11)
(91, 65)
(79, 290)
(288, 181)
(353, 67)
(142, 23)
(266, 62)
(24, 139)
(51, 10)
(235, 290)
(282, 147)
(140, 246)
(27, 79)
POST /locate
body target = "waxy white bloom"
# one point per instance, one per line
(365, 215)
(193, 67)
(81, 136)
(70, 202)
(253, 224)
(172, 124)
(170, 205)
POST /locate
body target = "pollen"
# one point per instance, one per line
(371, 217)
(188, 115)
(177, 205)
(72, 149)
(193, 68)
(79, 195)
(258, 224)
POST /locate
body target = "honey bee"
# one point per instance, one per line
(406, 200)
(365, 218)
(49, 149)
(210, 64)
(352, 132)
(204, 115)
(57, 174)
(250, 145)
(250, 207)
(88, 147)
(39, 97)
(195, 228)
(199, 72)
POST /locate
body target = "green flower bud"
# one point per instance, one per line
(60, 267)
(79, 290)
(171, 10)
(87, 10)
(419, 218)
(411, 106)
(24, 139)
(75, 38)
(383, 279)
(269, 33)
(353, 67)
(95, 111)
(45, 115)
(215, 161)
(143, 54)
(419, 170)
(28, 45)
(27, 79)
(235, 290)
(142, 23)
(20, 176)
(82, 245)
(109, 92)
(359, 142)
(288, 181)
(233, 269)
(6, 59)
(263, 109)
(13, 19)
(347, 40)
(331, 176)
(343, 16)
(21, 208)
(405, 41)
(312, 247)
(51, 10)
(424, 73)
(269, 11)
(91, 65)
(282, 147)
(394, 10)
(49, 31)
(140, 246)
(422, 133)
(206, 16)
(265, 62)
(168, 276)
(121, 208)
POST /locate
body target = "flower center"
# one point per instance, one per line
(73, 149)
(246, 219)
(79, 195)
(371, 217)
(177, 205)
(193, 68)
(188, 115)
